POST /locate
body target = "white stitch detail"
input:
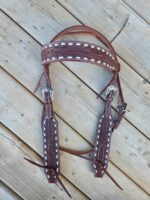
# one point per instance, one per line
(86, 45)
(85, 58)
(45, 152)
(57, 163)
(56, 156)
(98, 48)
(77, 57)
(50, 45)
(107, 52)
(53, 58)
(63, 43)
(60, 57)
(56, 144)
(92, 60)
(44, 134)
(109, 134)
(99, 61)
(46, 163)
(92, 46)
(78, 44)
(45, 146)
(69, 57)
(48, 176)
(107, 65)
(99, 131)
(103, 50)
(46, 170)
(55, 138)
(44, 140)
(57, 169)
(70, 43)
(55, 45)
(95, 154)
(45, 47)
(45, 157)
(104, 64)
(55, 131)
(48, 60)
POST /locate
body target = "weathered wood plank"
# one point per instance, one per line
(74, 168)
(133, 44)
(141, 7)
(7, 194)
(27, 180)
(71, 89)
(48, 12)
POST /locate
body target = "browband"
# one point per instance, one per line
(81, 52)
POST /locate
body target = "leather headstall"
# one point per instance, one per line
(80, 51)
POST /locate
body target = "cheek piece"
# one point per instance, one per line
(79, 51)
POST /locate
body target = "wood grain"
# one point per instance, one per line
(141, 7)
(7, 193)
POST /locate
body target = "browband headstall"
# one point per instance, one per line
(82, 52)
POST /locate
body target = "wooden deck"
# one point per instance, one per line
(24, 26)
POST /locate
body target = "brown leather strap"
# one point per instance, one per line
(81, 52)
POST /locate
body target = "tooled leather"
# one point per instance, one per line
(83, 52)
(79, 51)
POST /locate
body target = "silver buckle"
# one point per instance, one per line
(111, 88)
(50, 91)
